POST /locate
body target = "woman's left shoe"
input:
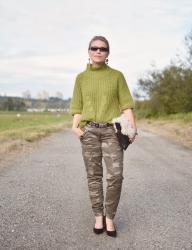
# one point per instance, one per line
(112, 233)
(100, 230)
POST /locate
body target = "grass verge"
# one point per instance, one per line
(177, 127)
(17, 129)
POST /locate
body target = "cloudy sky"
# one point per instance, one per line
(43, 43)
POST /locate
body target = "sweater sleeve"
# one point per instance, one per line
(124, 95)
(76, 101)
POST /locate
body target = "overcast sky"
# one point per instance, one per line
(43, 43)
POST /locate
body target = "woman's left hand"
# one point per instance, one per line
(133, 138)
(130, 116)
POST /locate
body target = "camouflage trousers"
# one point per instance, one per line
(98, 144)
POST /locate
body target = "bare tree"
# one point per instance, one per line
(188, 45)
(43, 95)
(59, 94)
(26, 94)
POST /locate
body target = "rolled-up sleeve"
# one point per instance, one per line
(76, 101)
(124, 95)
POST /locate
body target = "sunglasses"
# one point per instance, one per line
(102, 49)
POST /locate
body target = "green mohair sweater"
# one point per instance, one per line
(100, 94)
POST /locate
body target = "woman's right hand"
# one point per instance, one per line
(78, 132)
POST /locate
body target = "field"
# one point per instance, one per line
(31, 126)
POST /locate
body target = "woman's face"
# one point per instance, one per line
(98, 56)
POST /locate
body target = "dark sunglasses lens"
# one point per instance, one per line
(102, 49)
(94, 48)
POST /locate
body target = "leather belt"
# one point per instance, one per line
(99, 125)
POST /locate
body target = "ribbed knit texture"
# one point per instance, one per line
(100, 94)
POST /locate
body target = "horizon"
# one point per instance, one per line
(43, 49)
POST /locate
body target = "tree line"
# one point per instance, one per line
(8, 103)
(167, 91)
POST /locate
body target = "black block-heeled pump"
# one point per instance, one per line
(100, 230)
(111, 233)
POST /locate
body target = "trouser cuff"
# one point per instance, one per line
(110, 216)
(99, 214)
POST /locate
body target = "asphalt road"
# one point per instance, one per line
(44, 202)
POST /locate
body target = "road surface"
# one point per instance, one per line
(44, 202)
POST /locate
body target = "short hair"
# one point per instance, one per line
(101, 38)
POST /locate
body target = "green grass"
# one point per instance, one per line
(179, 117)
(185, 117)
(9, 120)
(31, 126)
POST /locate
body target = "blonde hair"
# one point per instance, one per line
(101, 38)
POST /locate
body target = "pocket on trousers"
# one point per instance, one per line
(84, 132)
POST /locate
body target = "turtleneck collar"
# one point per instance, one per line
(101, 68)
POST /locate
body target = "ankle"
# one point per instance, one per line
(108, 219)
(109, 224)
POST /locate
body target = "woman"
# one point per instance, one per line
(101, 94)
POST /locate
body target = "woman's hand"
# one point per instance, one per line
(133, 138)
(77, 131)
(130, 116)
(75, 128)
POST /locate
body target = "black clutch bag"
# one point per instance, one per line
(123, 139)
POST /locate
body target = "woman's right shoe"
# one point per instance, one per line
(100, 230)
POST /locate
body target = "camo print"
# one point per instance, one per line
(98, 143)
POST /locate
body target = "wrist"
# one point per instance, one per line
(74, 128)
(136, 133)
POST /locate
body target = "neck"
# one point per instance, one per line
(97, 65)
